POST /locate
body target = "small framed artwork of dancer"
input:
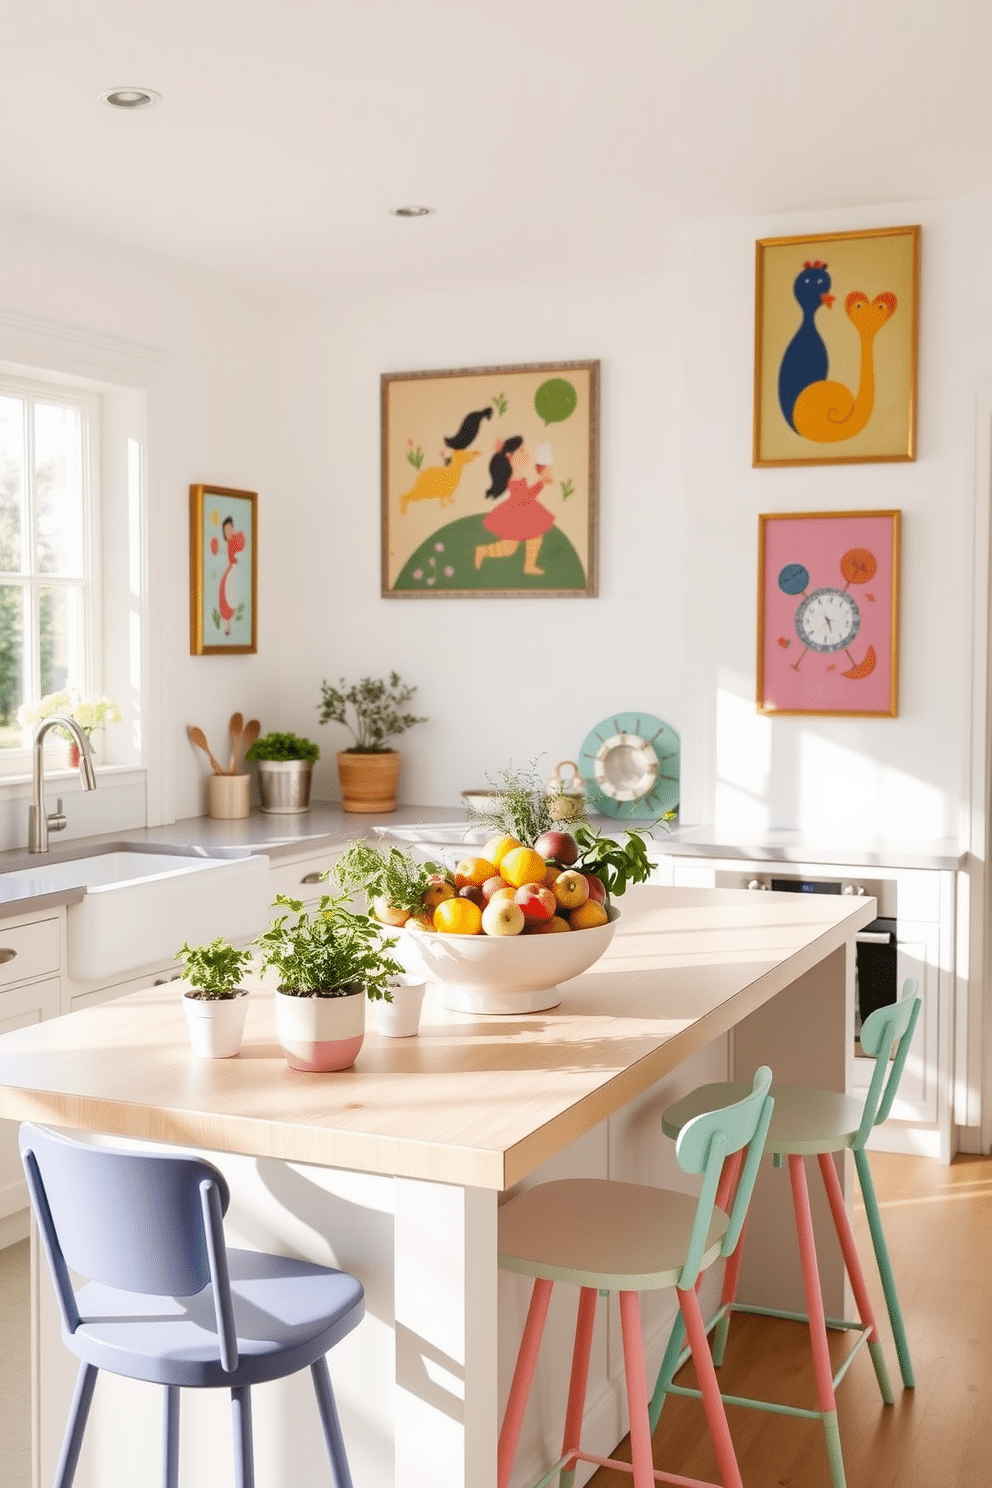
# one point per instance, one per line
(223, 571)
(490, 481)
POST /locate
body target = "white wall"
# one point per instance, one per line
(673, 631)
(212, 420)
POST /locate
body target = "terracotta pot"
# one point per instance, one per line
(215, 1024)
(320, 1034)
(368, 781)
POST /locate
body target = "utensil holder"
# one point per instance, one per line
(230, 796)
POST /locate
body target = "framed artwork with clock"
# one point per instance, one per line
(828, 613)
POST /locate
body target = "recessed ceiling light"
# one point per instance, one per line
(411, 211)
(130, 98)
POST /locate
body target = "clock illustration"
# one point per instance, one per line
(828, 619)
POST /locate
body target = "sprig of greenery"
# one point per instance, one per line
(328, 951)
(615, 864)
(395, 877)
(376, 715)
(283, 747)
(214, 970)
(521, 808)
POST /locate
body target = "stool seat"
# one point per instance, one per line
(805, 1121)
(597, 1232)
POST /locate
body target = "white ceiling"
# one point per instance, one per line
(553, 137)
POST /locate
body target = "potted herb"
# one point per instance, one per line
(285, 766)
(215, 1002)
(373, 712)
(328, 959)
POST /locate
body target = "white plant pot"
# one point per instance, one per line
(320, 1033)
(401, 1017)
(215, 1025)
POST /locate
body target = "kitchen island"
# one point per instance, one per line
(395, 1168)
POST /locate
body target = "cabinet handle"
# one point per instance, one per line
(311, 878)
(6, 954)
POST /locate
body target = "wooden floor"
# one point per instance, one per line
(938, 1221)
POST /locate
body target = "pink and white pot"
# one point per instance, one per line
(320, 1034)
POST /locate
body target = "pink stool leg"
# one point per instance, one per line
(822, 1370)
(641, 1456)
(852, 1261)
(523, 1378)
(732, 1268)
(579, 1379)
(716, 1416)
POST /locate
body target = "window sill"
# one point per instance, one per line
(17, 787)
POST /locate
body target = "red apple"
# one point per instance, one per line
(597, 888)
(473, 892)
(502, 917)
(537, 902)
(570, 889)
(559, 847)
(492, 886)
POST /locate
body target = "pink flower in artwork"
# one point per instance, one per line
(449, 572)
(418, 573)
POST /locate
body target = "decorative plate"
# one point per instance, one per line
(630, 766)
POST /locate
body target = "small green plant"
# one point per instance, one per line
(567, 489)
(520, 808)
(390, 881)
(376, 711)
(615, 864)
(214, 970)
(327, 951)
(283, 747)
(415, 456)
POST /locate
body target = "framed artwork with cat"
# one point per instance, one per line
(835, 347)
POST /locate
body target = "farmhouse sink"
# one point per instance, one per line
(140, 904)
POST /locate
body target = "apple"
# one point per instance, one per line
(388, 914)
(473, 871)
(570, 889)
(493, 885)
(506, 892)
(554, 926)
(502, 916)
(588, 916)
(597, 888)
(536, 901)
(438, 889)
(473, 892)
(560, 847)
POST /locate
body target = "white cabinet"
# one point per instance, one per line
(30, 990)
(922, 902)
(300, 877)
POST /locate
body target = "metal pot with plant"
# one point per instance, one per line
(328, 959)
(285, 767)
(215, 1002)
(373, 712)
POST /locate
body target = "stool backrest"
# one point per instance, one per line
(886, 1029)
(143, 1221)
(702, 1147)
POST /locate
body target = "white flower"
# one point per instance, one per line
(89, 712)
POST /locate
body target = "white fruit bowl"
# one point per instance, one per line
(504, 973)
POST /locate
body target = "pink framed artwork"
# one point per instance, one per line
(828, 613)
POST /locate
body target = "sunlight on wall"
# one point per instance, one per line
(743, 764)
(842, 789)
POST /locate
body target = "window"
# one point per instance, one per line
(48, 586)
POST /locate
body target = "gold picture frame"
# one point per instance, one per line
(223, 571)
(828, 613)
(835, 347)
(490, 482)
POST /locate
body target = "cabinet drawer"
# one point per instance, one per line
(28, 950)
(301, 879)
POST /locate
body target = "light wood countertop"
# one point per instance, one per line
(477, 1101)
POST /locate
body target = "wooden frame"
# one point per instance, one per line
(835, 347)
(828, 613)
(223, 571)
(527, 434)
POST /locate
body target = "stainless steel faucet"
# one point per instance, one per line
(39, 822)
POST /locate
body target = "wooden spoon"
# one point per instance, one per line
(252, 730)
(237, 729)
(199, 738)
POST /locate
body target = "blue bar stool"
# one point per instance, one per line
(167, 1302)
(811, 1122)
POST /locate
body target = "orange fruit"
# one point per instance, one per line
(551, 872)
(458, 917)
(523, 865)
(497, 848)
(554, 926)
(588, 916)
(474, 871)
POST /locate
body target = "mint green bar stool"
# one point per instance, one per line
(809, 1122)
(605, 1236)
